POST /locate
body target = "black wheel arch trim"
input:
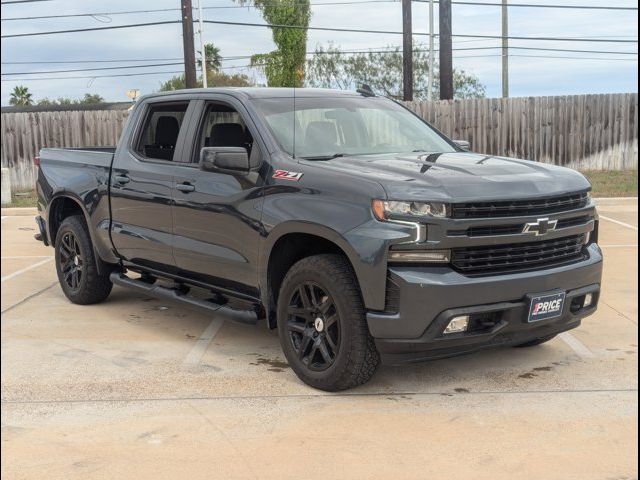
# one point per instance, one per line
(68, 195)
(363, 270)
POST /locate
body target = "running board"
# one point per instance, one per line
(242, 316)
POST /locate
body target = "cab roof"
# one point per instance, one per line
(260, 92)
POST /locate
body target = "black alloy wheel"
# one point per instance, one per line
(313, 326)
(72, 261)
(322, 324)
(83, 277)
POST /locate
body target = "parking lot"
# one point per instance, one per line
(138, 388)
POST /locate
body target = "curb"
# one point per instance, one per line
(19, 211)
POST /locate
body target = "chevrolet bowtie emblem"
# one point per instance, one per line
(540, 226)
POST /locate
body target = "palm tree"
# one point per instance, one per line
(214, 60)
(21, 96)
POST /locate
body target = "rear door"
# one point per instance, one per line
(217, 216)
(142, 184)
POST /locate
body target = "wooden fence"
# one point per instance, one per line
(595, 132)
(25, 133)
(586, 131)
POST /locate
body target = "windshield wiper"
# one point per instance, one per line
(324, 157)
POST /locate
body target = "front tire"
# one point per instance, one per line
(322, 324)
(76, 264)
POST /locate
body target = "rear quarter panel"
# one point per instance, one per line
(82, 176)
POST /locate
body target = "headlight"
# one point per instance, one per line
(383, 209)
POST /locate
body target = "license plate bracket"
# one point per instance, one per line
(546, 306)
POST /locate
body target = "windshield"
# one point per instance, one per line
(330, 126)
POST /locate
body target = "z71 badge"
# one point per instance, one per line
(287, 175)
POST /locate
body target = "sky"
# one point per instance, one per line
(529, 74)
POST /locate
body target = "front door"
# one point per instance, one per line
(217, 216)
(142, 184)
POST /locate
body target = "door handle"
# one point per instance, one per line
(185, 187)
(122, 179)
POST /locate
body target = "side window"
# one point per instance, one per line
(159, 134)
(223, 126)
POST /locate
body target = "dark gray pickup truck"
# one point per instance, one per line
(340, 218)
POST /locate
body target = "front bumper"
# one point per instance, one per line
(430, 296)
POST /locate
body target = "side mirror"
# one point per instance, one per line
(224, 159)
(463, 144)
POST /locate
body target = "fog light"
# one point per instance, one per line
(457, 324)
(588, 300)
(420, 256)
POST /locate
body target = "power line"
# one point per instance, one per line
(95, 69)
(536, 5)
(389, 32)
(164, 10)
(119, 75)
(328, 29)
(92, 29)
(91, 76)
(380, 50)
(355, 2)
(91, 61)
(22, 1)
(577, 58)
(255, 66)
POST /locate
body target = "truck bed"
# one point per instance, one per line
(82, 176)
(98, 156)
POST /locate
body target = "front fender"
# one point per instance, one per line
(365, 246)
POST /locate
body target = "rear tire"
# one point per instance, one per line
(537, 341)
(76, 264)
(322, 325)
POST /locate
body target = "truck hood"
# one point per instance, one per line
(460, 176)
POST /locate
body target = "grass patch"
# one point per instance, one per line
(23, 199)
(614, 183)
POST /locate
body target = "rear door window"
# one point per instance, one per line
(159, 133)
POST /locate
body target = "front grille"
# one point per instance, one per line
(519, 208)
(513, 229)
(490, 260)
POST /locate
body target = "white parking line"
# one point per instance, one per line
(26, 269)
(576, 345)
(200, 348)
(627, 225)
(17, 257)
(630, 245)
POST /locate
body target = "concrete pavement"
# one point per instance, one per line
(113, 391)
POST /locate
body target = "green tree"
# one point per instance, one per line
(46, 102)
(330, 68)
(88, 99)
(91, 99)
(214, 79)
(285, 66)
(20, 96)
(214, 59)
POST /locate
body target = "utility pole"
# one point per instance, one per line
(505, 50)
(187, 41)
(431, 53)
(446, 53)
(203, 53)
(407, 52)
